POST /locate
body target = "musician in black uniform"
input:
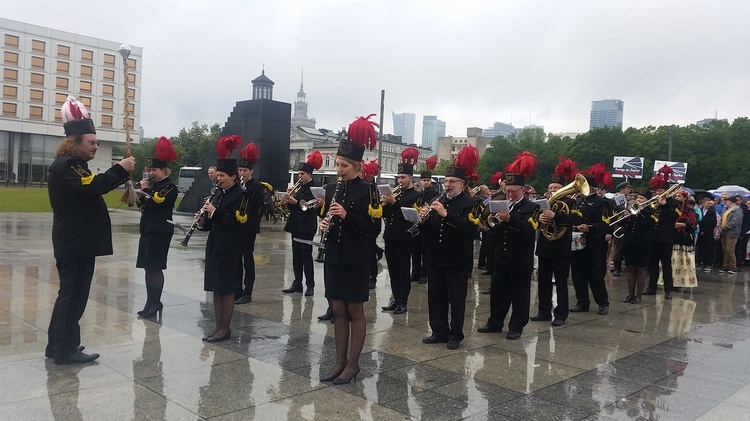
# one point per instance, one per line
(616, 247)
(489, 237)
(81, 228)
(156, 232)
(398, 242)
(662, 238)
(636, 247)
(347, 260)
(250, 229)
(418, 263)
(449, 233)
(592, 219)
(224, 217)
(554, 258)
(369, 172)
(303, 224)
(514, 259)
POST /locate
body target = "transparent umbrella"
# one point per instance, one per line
(732, 190)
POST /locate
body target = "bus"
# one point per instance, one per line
(186, 177)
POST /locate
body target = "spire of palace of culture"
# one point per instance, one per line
(299, 118)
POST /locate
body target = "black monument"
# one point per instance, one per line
(262, 121)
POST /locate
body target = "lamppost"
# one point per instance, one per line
(130, 195)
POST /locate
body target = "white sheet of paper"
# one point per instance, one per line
(410, 214)
(543, 203)
(318, 191)
(498, 205)
(282, 195)
(384, 189)
(486, 201)
(620, 200)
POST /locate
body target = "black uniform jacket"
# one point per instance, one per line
(451, 238)
(251, 206)
(81, 226)
(514, 246)
(666, 215)
(347, 243)
(593, 211)
(638, 228)
(304, 224)
(157, 210)
(428, 195)
(226, 221)
(561, 248)
(396, 226)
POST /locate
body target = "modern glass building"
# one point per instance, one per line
(432, 130)
(403, 125)
(41, 67)
(606, 113)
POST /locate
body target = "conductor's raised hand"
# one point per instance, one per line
(128, 164)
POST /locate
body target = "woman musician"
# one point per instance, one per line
(637, 247)
(347, 250)
(156, 233)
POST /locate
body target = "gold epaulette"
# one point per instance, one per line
(241, 213)
(375, 210)
(533, 223)
(86, 178)
(473, 219)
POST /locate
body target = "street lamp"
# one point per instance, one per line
(130, 195)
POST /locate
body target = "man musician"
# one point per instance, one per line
(429, 193)
(303, 224)
(624, 188)
(554, 255)
(514, 253)
(253, 201)
(398, 242)
(592, 220)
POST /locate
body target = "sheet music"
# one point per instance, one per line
(318, 191)
(384, 189)
(282, 195)
(498, 205)
(543, 203)
(410, 214)
(621, 200)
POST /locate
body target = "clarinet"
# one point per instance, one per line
(197, 218)
(324, 235)
(414, 229)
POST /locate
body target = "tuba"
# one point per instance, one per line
(550, 230)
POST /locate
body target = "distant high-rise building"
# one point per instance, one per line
(499, 129)
(606, 113)
(403, 125)
(706, 121)
(299, 118)
(432, 130)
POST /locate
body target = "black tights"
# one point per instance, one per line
(636, 280)
(154, 287)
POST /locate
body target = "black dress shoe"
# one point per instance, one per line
(309, 291)
(244, 299)
(390, 307)
(540, 318)
(649, 291)
(371, 285)
(616, 272)
(422, 281)
(667, 295)
(579, 309)
(222, 338)
(327, 316)
(152, 312)
(77, 358)
(635, 300)
(487, 291)
(482, 267)
(48, 351)
(401, 309)
(291, 289)
(628, 299)
(432, 339)
(331, 377)
(558, 322)
(453, 344)
(513, 334)
(488, 328)
(603, 310)
(486, 272)
(341, 380)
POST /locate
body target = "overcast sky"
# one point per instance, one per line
(471, 63)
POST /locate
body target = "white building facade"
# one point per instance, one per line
(41, 67)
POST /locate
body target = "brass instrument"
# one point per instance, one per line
(550, 230)
(304, 205)
(396, 194)
(474, 191)
(635, 208)
(484, 216)
(296, 188)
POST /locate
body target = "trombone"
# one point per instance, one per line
(635, 208)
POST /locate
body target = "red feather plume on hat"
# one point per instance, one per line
(524, 164)
(431, 163)
(662, 177)
(566, 168)
(596, 172)
(495, 179)
(164, 150)
(370, 169)
(467, 159)
(315, 160)
(73, 109)
(409, 156)
(250, 152)
(607, 180)
(362, 132)
(227, 144)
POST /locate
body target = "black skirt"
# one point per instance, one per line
(347, 283)
(637, 256)
(223, 272)
(152, 250)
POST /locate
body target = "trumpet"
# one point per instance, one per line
(304, 205)
(296, 188)
(474, 191)
(396, 194)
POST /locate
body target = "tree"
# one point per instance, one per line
(196, 142)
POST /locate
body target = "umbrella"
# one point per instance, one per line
(700, 193)
(732, 190)
(689, 190)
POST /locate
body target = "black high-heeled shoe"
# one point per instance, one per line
(153, 312)
(227, 336)
(351, 378)
(331, 377)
